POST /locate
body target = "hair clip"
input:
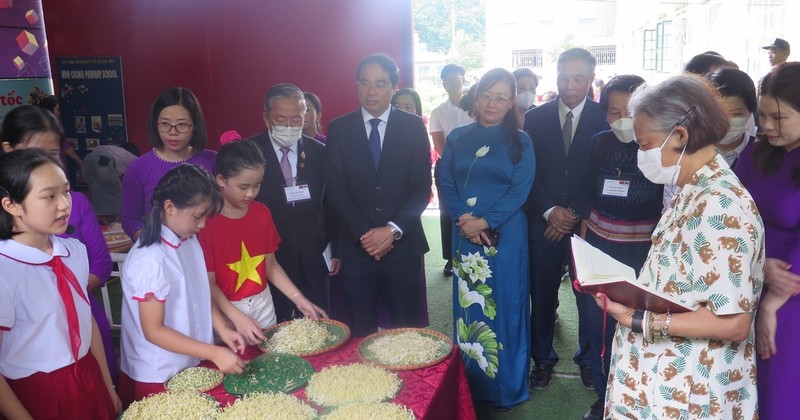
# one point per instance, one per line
(4, 192)
(686, 115)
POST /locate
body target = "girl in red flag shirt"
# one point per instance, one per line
(239, 245)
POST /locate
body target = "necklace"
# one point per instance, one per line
(236, 214)
(155, 152)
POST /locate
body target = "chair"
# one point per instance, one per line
(119, 260)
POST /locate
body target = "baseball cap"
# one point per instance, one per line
(778, 43)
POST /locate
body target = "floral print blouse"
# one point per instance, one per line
(708, 250)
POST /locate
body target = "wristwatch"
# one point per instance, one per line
(396, 234)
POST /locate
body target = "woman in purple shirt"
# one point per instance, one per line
(177, 132)
(770, 170)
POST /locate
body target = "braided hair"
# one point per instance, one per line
(185, 186)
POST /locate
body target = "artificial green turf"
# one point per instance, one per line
(566, 398)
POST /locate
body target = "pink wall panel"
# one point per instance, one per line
(230, 52)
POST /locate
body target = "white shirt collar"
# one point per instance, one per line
(383, 117)
(576, 112)
(170, 238)
(30, 255)
(277, 147)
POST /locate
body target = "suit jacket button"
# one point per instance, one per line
(377, 209)
(564, 195)
(377, 188)
(566, 173)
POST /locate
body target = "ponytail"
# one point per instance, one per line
(151, 232)
(236, 156)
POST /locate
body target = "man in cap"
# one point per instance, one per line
(778, 51)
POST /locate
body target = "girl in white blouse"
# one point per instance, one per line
(52, 359)
(167, 313)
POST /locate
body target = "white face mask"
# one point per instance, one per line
(285, 136)
(649, 162)
(738, 125)
(623, 128)
(525, 99)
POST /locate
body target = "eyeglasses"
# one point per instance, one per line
(379, 85)
(285, 124)
(499, 100)
(165, 127)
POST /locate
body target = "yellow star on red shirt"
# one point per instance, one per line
(246, 268)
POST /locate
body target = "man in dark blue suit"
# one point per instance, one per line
(561, 131)
(378, 172)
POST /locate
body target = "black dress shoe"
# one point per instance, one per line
(586, 377)
(540, 376)
(448, 269)
(596, 411)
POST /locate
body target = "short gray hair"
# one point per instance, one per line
(284, 90)
(684, 95)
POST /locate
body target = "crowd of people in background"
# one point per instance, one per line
(693, 182)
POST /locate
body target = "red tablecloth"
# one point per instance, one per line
(437, 392)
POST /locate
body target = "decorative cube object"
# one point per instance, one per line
(19, 63)
(5, 4)
(31, 17)
(27, 42)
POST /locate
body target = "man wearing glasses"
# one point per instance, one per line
(293, 190)
(379, 182)
(561, 131)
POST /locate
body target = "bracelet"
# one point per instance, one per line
(665, 327)
(112, 387)
(652, 324)
(296, 295)
(657, 326)
(636, 321)
(646, 325)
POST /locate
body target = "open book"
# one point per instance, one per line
(597, 271)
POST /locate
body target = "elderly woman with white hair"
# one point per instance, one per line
(707, 253)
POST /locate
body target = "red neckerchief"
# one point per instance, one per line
(64, 279)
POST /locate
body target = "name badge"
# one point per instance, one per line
(616, 187)
(297, 193)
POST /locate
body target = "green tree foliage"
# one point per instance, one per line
(456, 28)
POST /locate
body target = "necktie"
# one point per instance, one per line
(64, 279)
(375, 142)
(286, 167)
(566, 132)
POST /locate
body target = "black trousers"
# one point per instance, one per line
(396, 282)
(445, 222)
(546, 261)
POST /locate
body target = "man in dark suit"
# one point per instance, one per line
(293, 190)
(379, 183)
(561, 131)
